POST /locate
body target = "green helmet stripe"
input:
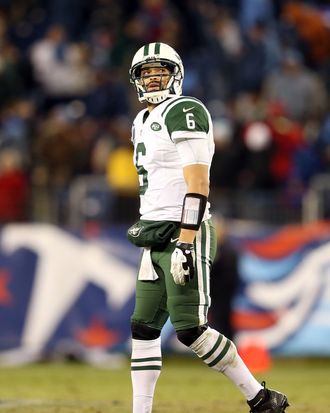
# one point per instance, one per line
(146, 50)
(157, 48)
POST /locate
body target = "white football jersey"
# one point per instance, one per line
(157, 160)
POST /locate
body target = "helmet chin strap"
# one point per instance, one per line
(156, 97)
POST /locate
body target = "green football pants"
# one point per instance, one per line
(187, 306)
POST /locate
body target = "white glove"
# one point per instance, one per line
(182, 263)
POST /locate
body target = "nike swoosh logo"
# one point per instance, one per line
(174, 239)
(258, 402)
(187, 109)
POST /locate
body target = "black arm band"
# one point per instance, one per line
(193, 210)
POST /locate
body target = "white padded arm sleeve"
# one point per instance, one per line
(193, 151)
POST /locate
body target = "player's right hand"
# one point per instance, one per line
(182, 263)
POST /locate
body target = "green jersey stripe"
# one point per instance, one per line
(216, 345)
(221, 355)
(157, 48)
(146, 368)
(146, 359)
(146, 50)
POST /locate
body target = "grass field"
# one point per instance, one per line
(185, 386)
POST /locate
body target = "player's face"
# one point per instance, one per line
(155, 78)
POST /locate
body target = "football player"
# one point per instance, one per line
(173, 149)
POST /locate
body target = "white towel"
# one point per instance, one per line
(147, 271)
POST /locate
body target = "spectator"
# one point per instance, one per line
(11, 79)
(226, 158)
(122, 177)
(299, 90)
(59, 155)
(60, 66)
(258, 148)
(259, 54)
(14, 188)
(288, 138)
(108, 98)
(253, 11)
(16, 127)
(322, 144)
(311, 27)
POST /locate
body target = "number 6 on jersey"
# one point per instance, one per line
(190, 120)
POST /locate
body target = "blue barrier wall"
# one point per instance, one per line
(60, 289)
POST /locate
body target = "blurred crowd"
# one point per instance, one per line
(262, 67)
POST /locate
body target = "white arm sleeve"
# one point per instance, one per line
(193, 151)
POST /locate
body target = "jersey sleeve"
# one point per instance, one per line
(187, 118)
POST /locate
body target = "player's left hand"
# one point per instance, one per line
(182, 263)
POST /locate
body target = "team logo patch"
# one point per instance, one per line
(135, 231)
(155, 126)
